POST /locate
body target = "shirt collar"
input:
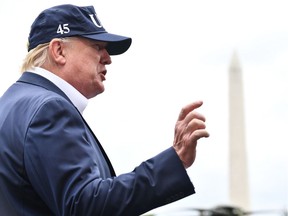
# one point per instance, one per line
(78, 100)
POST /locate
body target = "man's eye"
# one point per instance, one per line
(97, 47)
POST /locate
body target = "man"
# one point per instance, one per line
(51, 163)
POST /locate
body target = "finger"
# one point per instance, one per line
(187, 109)
(198, 134)
(194, 115)
(195, 124)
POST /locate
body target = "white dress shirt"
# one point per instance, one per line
(79, 100)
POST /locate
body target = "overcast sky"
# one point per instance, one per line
(181, 52)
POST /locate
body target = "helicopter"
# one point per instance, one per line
(229, 210)
(223, 210)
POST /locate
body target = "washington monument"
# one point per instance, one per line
(238, 173)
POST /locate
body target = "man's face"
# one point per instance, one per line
(86, 61)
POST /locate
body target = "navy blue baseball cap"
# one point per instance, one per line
(70, 20)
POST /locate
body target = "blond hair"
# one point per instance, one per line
(35, 58)
(39, 55)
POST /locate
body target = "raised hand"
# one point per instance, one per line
(189, 128)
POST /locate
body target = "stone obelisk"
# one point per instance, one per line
(238, 170)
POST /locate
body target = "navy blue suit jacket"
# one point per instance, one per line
(51, 163)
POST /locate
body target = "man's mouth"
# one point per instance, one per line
(102, 74)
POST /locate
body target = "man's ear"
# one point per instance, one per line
(57, 53)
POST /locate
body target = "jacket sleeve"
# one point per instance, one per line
(65, 169)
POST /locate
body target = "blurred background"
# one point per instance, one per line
(181, 52)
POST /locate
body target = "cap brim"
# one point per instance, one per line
(117, 44)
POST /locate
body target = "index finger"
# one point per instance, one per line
(188, 108)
